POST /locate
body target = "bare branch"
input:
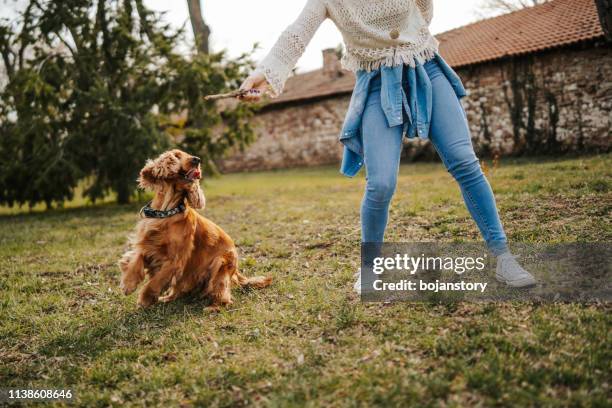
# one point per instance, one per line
(24, 34)
(490, 8)
(8, 64)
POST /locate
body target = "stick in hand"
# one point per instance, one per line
(233, 94)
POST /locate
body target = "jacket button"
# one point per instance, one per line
(394, 34)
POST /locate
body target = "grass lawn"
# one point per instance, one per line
(308, 340)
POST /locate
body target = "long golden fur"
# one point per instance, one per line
(184, 252)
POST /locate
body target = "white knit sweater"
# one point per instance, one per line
(375, 33)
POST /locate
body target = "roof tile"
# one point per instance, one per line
(552, 24)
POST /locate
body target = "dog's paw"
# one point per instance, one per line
(167, 298)
(145, 300)
(127, 287)
(217, 305)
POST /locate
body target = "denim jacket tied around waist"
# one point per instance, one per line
(405, 99)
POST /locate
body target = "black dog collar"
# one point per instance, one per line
(149, 212)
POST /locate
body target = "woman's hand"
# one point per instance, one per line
(256, 86)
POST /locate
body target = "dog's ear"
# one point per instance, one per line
(146, 180)
(164, 167)
(195, 196)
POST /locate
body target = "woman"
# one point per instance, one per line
(403, 87)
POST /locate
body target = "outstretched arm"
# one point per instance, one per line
(275, 68)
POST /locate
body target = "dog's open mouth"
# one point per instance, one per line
(193, 174)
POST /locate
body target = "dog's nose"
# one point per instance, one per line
(195, 161)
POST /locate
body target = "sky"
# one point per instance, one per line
(237, 25)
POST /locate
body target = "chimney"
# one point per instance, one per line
(331, 63)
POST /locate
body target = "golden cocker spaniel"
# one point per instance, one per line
(177, 248)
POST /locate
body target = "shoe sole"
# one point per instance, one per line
(365, 292)
(357, 290)
(521, 283)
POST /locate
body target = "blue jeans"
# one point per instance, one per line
(450, 136)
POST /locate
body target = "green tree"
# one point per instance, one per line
(94, 89)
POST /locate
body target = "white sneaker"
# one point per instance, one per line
(511, 273)
(357, 285)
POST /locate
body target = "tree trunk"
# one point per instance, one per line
(604, 8)
(200, 30)
(123, 192)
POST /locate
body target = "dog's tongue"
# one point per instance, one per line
(196, 174)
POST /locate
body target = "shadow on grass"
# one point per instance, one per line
(129, 328)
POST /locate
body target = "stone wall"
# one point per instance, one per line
(305, 134)
(551, 102)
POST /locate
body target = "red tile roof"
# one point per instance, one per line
(315, 84)
(549, 25)
(554, 24)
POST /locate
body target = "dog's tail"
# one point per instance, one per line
(255, 281)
